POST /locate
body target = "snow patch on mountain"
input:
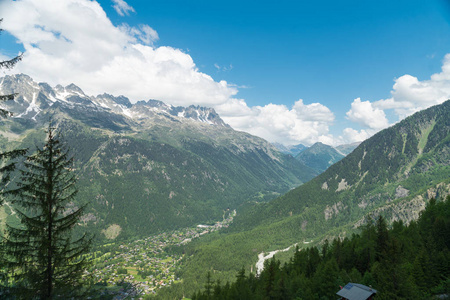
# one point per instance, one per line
(32, 108)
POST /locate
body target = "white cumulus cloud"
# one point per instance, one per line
(350, 135)
(409, 95)
(303, 123)
(365, 114)
(143, 33)
(122, 8)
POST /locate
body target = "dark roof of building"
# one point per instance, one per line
(356, 291)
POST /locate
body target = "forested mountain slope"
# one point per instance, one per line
(403, 262)
(398, 163)
(148, 166)
(394, 173)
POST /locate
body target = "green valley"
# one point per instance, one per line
(147, 264)
(151, 172)
(224, 150)
(393, 174)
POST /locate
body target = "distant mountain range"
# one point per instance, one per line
(293, 150)
(148, 167)
(346, 149)
(319, 156)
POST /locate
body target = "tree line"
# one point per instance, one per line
(399, 261)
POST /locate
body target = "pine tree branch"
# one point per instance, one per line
(9, 64)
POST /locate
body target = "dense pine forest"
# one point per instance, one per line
(399, 261)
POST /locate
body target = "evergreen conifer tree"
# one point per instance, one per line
(382, 238)
(44, 258)
(7, 164)
(208, 285)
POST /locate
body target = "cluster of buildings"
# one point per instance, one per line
(145, 263)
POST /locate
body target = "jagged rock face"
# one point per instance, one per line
(35, 97)
(195, 113)
(106, 99)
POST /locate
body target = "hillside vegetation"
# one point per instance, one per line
(393, 174)
(403, 262)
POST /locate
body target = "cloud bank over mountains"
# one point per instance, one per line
(74, 41)
(409, 95)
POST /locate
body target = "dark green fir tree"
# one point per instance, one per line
(44, 259)
(7, 163)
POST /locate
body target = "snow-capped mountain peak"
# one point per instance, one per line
(34, 98)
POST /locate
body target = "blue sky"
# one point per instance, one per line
(261, 57)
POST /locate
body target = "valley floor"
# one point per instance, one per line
(145, 264)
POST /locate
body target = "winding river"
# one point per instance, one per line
(262, 258)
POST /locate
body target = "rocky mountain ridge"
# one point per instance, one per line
(148, 167)
(35, 97)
